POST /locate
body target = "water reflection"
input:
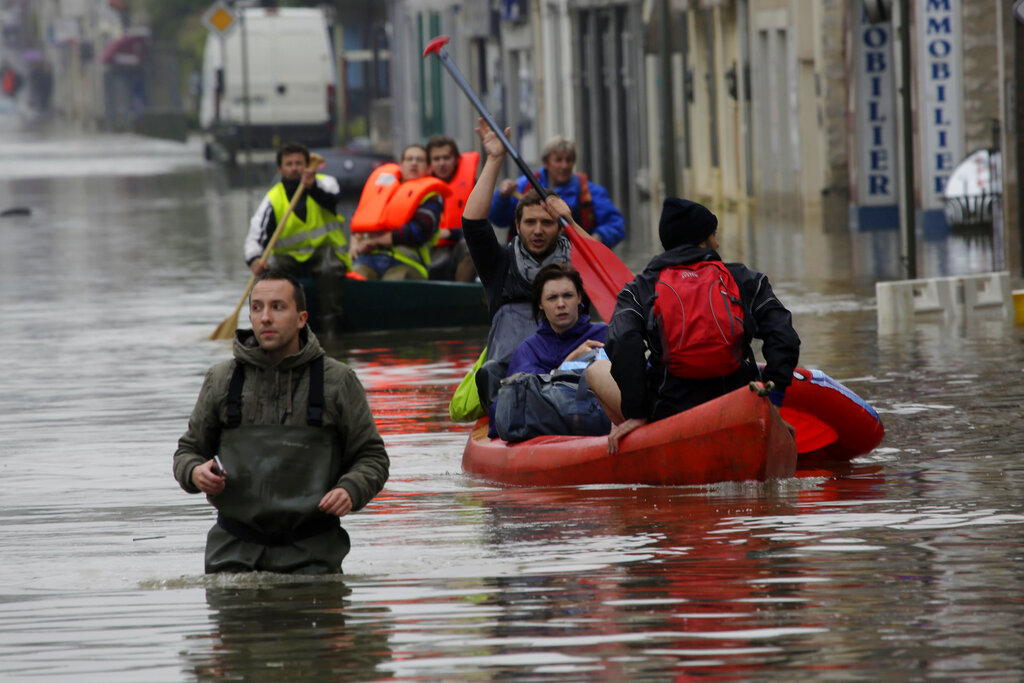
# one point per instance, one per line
(285, 631)
(410, 380)
(634, 582)
(728, 581)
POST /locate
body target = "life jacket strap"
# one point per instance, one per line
(235, 396)
(314, 411)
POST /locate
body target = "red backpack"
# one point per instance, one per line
(699, 316)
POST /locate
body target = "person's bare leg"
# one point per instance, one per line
(465, 271)
(402, 271)
(601, 382)
(366, 271)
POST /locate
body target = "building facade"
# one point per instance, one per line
(746, 105)
(785, 107)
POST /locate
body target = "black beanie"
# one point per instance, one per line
(684, 222)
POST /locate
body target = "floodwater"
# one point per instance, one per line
(907, 565)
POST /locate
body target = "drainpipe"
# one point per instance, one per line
(996, 185)
(245, 108)
(668, 146)
(539, 66)
(906, 130)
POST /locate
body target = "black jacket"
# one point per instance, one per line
(493, 263)
(648, 390)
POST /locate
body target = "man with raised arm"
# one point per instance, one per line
(507, 269)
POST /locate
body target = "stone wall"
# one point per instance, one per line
(981, 73)
(832, 74)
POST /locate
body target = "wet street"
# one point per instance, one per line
(908, 565)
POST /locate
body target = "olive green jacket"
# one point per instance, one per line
(278, 394)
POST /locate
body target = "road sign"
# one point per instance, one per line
(220, 18)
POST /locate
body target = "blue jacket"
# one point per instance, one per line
(611, 226)
(544, 350)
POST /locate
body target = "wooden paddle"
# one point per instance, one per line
(226, 330)
(602, 272)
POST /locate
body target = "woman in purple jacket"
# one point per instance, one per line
(563, 333)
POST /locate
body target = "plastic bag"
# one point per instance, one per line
(465, 404)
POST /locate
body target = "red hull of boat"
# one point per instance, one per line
(737, 437)
(832, 423)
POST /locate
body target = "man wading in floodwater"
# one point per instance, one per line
(293, 432)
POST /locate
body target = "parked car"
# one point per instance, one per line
(352, 166)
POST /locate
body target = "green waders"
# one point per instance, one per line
(268, 519)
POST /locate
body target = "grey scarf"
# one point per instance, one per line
(526, 264)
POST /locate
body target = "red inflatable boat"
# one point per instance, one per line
(832, 423)
(736, 437)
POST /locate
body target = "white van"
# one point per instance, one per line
(292, 82)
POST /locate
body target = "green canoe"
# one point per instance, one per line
(368, 305)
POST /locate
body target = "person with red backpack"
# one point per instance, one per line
(681, 331)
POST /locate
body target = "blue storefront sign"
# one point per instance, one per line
(940, 104)
(876, 176)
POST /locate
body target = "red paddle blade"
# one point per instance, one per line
(435, 45)
(602, 272)
(812, 434)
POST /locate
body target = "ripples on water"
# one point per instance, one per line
(906, 565)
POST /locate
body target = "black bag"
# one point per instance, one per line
(559, 402)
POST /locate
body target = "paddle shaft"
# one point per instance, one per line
(442, 54)
(281, 225)
(284, 219)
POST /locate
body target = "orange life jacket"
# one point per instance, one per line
(461, 185)
(387, 203)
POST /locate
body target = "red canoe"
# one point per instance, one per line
(737, 437)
